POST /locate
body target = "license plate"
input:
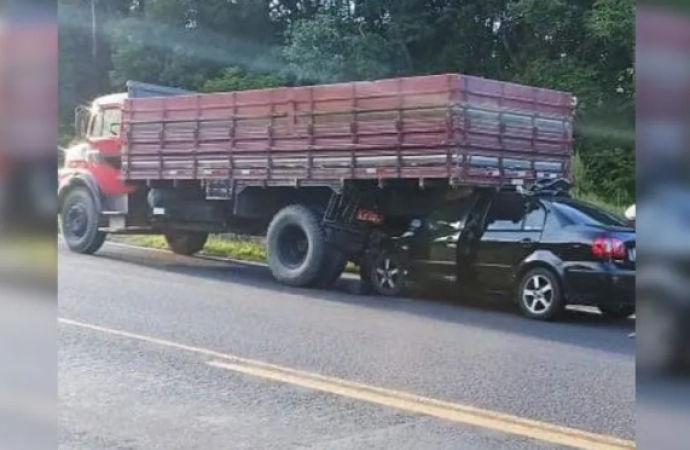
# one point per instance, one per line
(632, 254)
(369, 216)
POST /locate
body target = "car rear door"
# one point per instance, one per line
(513, 228)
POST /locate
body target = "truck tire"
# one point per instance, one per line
(332, 270)
(79, 222)
(335, 261)
(186, 243)
(296, 249)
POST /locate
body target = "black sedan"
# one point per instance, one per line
(543, 250)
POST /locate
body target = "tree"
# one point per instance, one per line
(236, 79)
(329, 48)
(582, 46)
(83, 72)
(185, 42)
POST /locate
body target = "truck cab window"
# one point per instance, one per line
(96, 125)
(106, 123)
(111, 122)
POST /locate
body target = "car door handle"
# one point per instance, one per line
(527, 242)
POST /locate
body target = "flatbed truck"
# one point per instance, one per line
(324, 172)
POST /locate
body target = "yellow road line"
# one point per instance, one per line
(454, 412)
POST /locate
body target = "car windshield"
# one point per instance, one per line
(587, 214)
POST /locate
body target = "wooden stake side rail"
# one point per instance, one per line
(466, 129)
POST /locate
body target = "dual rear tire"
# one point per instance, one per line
(297, 251)
(186, 243)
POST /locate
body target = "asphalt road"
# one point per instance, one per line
(164, 352)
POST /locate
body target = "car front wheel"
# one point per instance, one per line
(387, 275)
(539, 295)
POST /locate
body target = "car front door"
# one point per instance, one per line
(445, 226)
(512, 231)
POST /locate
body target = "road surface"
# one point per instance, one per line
(164, 352)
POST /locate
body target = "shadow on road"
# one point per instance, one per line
(577, 328)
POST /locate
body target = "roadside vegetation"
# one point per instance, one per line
(223, 246)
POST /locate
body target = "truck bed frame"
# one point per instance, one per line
(462, 129)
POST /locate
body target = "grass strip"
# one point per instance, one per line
(237, 248)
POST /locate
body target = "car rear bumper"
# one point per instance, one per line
(599, 284)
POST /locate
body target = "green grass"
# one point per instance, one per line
(226, 247)
(238, 248)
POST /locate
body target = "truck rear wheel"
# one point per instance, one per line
(186, 243)
(296, 249)
(333, 269)
(79, 221)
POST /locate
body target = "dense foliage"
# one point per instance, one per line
(583, 46)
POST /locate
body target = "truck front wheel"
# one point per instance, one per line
(186, 243)
(296, 249)
(79, 221)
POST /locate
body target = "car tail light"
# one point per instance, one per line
(608, 248)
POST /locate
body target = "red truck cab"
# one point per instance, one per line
(94, 160)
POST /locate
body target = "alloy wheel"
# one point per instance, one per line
(388, 274)
(538, 294)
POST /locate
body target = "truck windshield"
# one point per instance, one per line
(587, 214)
(106, 123)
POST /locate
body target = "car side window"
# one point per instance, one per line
(506, 213)
(451, 216)
(535, 216)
